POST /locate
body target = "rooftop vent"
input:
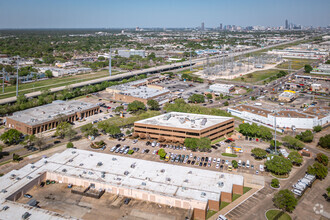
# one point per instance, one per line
(99, 164)
(70, 160)
(81, 164)
(64, 170)
(168, 179)
(220, 184)
(162, 170)
(133, 165)
(203, 194)
(143, 183)
(32, 167)
(190, 172)
(186, 181)
(114, 159)
(90, 155)
(126, 173)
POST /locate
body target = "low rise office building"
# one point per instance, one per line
(224, 89)
(176, 126)
(46, 117)
(287, 96)
(284, 118)
(166, 184)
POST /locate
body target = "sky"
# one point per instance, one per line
(160, 13)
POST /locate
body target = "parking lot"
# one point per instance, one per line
(213, 160)
(58, 198)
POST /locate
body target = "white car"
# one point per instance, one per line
(214, 160)
(227, 162)
(219, 160)
(217, 166)
(191, 155)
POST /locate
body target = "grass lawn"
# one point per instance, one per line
(52, 83)
(236, 196)
(218, 140)
(258, 76)
(228, 155)
(277, 214)
(296, 64)
(210, 213)
(246, 189)
(223, 204)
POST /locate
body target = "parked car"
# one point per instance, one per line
(127, 200)
(27, 196)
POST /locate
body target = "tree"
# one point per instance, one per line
(209, 96)
(69, 145)
(29, 139)
(16, 157)
(196, 143)
(113, 130)
(153, 104)
(275, 183)
(318, 169)
(12, 136)
(136, 106)
(292, 143)
(285, 200)
(250, 75)
(259, 153)
(272, 144)
(39, 142)
(196, 98)
(279, 165)
(308, 68)
(101, 58)
(64, 129)
(204, 143)
(191, 143)
(317, 128)
(322, 158)
(325, 141)
(89, 130)
(49, 73)
(306, 136)
(119, 108)
(128, 132)
(161, 153)
(295, 158)
(234, 163)
(226, 103)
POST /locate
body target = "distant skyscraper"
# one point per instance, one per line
(220, 26)
(286, 24)
(202, 27)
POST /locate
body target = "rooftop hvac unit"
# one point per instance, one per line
(167, 117)
(99, 164)
(220, 184)
(204, 121)
(126, 173)
(182, 120)
(81, 164)
(114, 159)
(168, 179)
(143, 183)
(133, 165)
(222, 176)
(203, 194)
(162, 170)
(186, 181)
(190, 172)
(64, 170)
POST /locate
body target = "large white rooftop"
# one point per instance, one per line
(50, 111)
(154, 177)
(184, 120)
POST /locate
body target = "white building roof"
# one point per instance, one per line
(185, 120)
(158, 178)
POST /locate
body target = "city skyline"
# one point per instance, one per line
(170, 14)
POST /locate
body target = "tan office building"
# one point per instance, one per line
(177, 126)
(47, 117)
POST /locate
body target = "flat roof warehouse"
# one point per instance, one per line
(152, 181)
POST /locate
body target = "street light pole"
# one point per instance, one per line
(110, 69)
(17, 78)
(3, 80)
(190, 61)
(275, 133)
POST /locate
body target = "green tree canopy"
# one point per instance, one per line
(285, 200)
(272, 144)
(69, 145)
(112, 130)
(292, 143)
(318, 169)
(153, 105)
(196, 98)
(306, 136)
(317, 128)
(234, 163)
(119, 108)
(136, 106)
(202, 144)
(12, 136)
(295, 158)
(255, 131)
(49, 73)
(209, 96)
(64, 129)
(279, 165)
(308, 68)
(322, 158)
(275, 183)
(162, 153)
(325, 141)
(259, 153)
(89, 130)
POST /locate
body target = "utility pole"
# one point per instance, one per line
(3, 80)
(275, 132)
(110, 61)
(190, 61)
(17, 77)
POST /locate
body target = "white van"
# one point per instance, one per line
(239, 163)
(247, 164)
(261, 167)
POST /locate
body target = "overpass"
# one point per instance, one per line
(158, 69)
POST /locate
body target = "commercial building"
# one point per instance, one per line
(221, 88)
(176, 126)
(46, 117)
(287, 96)
(165, 184)
(141, 90)
(132, 52)
(308, 119)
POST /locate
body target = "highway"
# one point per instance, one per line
(158, 69)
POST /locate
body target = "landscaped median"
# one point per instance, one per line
(277, 214)
(228, 155)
